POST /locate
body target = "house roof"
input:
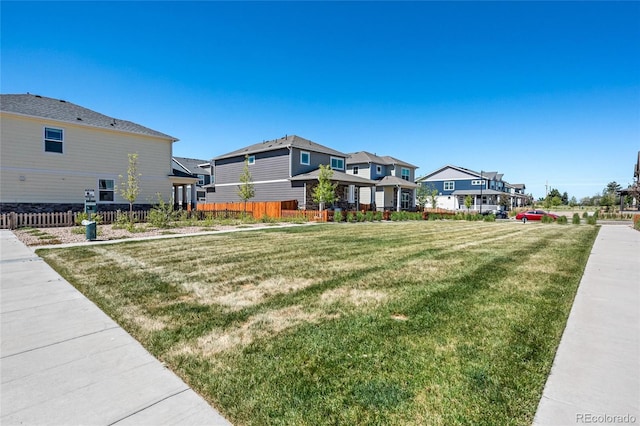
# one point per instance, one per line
(367, 157)
(61, 110)
(477, 192)
(337, 177)
(191, 165)
(486, 175)
(396, 181)
(289, 141)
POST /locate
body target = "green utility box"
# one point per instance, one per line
(91, 230)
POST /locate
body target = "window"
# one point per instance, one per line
(53, 140)
(449, 185)
(355, 170)
(405, 173)
(105, 190)
(251, 159)
(305, 158)
(200, 179)
(337, 163)
(477, 182)
(379, 170)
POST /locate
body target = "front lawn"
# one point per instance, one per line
(378, 323)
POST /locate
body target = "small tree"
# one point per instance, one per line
(246, 191)
(468, 201)
(422, 195)
(130, 189)
(325, 191)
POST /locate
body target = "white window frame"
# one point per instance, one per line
(251, 160)
(404, 176)
(378, 169)
(106, 190)
(200, 179)
(355, 170)
(338, 161)
(449, 185)
(477, 182)
(302, 154)
(47, 138)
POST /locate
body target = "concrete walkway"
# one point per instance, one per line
(64, 362)
(595, 378)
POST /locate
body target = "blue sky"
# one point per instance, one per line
(547, 93)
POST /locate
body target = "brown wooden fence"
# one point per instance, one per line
(258, 209)
(310, 215)
(14, 220)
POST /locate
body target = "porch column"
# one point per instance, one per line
(194, 196)
(399, 197)
(373, 198)
(175, 196)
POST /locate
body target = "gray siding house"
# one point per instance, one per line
(191, 167)
(487, 189)
(281, 170)
(395, 188)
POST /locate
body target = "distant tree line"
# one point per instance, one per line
(609, 198)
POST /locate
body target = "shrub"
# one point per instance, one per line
(592, 220)
(546, 219)
(369, 216)
(585, 215)
(162, 214)
(490, 218)
(378, 216)
(337, 216)
(84, 216)
(350, 217)
(576, 219)
(267, 219)
(360, 216)
(562, 220)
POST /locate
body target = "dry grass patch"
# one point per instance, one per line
(353, 296)
(250, 294)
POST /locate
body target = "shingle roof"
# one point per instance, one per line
(367, 157)
(396, 181)
(290, 141)
(192, 165)
(60, 110)
(336, 177)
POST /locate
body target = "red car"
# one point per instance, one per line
(534, 215)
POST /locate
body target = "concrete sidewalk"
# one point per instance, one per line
(595, 377)
(64, 362)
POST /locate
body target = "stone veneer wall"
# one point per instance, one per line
(65, 207)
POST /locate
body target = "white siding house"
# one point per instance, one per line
(52, 150)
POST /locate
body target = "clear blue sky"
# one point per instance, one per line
(543, 92)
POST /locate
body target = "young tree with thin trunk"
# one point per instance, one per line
(325, 191)
(246, 191)
(130, 189)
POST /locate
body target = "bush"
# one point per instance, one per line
(337, 216)
(576, 219)
(562, 220)
(369, 216)
(360, 216)
(490, 218)
(84, 216)
(162, 214)
(546, 219)
(592, 220)
(585, 215)
(350, 217)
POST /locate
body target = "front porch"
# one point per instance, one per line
(347, 191)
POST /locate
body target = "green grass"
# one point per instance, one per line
(385, 323)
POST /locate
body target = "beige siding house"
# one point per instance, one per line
(51, 151)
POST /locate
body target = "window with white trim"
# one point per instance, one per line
(251, 160)
(379, 170)
(405, 173)
(200, 179)
(355, 170)
(106, 190)
(53, 140)
(449, 185)
(337, 163)
(477, 182)
(305, 158)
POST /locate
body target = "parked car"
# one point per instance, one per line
(534, 215)
(500, 214)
